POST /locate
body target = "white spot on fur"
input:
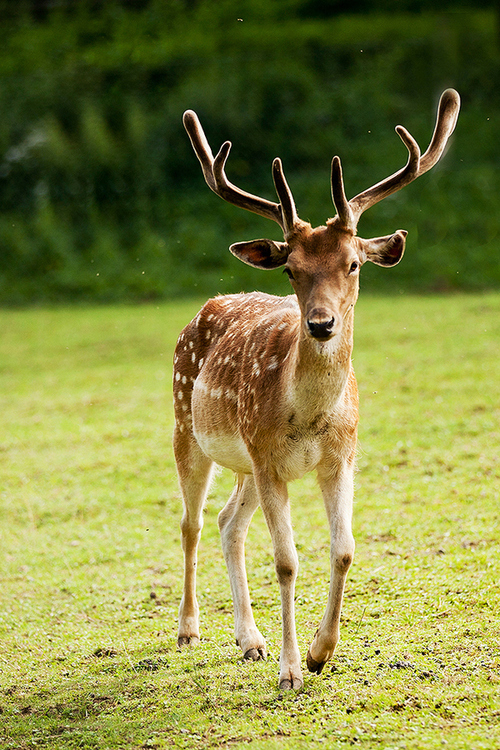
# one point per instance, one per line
(177, 376)
(273, 363)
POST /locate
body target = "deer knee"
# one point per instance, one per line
(286, 568)
(343, 560)
(191, 527)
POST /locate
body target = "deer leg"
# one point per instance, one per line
(234, 520)
(195, 471)
(276, 507)
(338, 497)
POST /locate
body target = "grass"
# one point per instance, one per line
(90, 556)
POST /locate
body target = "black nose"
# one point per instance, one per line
(322, 330)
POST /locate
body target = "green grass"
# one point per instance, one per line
(90, 560)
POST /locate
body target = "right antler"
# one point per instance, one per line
(349, 212)
(283, 213)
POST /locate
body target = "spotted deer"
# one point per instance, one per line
(264, 385)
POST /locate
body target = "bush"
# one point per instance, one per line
(103, 198)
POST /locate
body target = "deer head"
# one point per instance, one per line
(323, 263)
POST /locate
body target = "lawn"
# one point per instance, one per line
(90, 559)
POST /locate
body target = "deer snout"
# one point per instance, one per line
(320, 326)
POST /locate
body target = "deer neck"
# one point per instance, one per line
(321, 371)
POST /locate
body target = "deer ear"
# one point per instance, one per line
(386, 251)
(265, 254)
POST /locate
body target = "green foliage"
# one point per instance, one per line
(102, 197)
(90, 555)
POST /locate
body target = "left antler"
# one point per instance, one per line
(349, 212)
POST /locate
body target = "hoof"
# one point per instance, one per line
(291, 684)
(255, 654)
(187, 640)
(313, 665)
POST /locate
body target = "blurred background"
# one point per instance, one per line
(102, 197)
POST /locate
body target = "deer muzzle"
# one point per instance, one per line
(320, 325)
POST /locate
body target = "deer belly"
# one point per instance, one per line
(215, 430)
(226, 450)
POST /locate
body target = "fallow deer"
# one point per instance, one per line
(264, 385)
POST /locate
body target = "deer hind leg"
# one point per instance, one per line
(338, 497)
(195, 471)
(234, 520)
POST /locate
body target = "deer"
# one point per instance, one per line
(264, 385)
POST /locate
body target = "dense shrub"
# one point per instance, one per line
(101, 196)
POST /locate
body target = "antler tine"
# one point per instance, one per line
(215, 177)
(391, 184)
(287, 203)
(200, 145)
(344, 213)
(448, 109)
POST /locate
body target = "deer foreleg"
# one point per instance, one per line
(276, 508)
(234, 520)
(338, 497)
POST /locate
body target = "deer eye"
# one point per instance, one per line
(354, 266)
(288, 273)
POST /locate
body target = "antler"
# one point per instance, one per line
(283, 213)
(349, 211)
